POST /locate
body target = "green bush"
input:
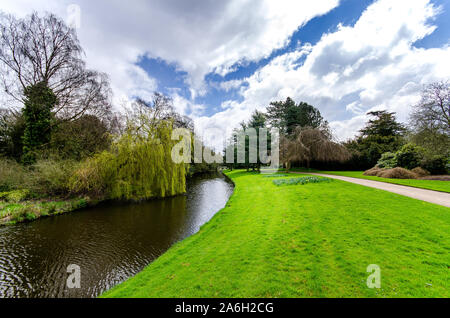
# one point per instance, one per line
(409, 156)
(137, 167)
(388, 161)
(12, 175)
(15, 196)
(436, 165)
(49, 177)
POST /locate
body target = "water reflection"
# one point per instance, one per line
(110, 243)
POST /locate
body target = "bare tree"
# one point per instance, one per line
(433, 112)
(145, 116)
(311, 144)
(44, 49)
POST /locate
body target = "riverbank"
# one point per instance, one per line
(313, 240)
(110, 237)
(31, 210)
(16, 207)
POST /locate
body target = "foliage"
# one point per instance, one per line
(51, 178)
(257, 122)
(434, 142)
(12, 128)
(12, 175)
(15, 196)
(308, 144)
(382, 134)
(45, 178)
(39, 102)
(288, 115)
(439, 183)
(11, 213)
(409, 156)
(433, 112)
(43, 49)
(436, 164)
(138, 166)
(387, 161)
(80, 138)
(430, 120)
(301, 181)
(383, 124)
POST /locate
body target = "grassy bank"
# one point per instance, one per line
(311, 240)
(443, 186)
(27, 211)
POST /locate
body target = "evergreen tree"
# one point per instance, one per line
(382, 134)
(39, 102)
(288, 115)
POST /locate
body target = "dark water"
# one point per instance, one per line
(110, 243)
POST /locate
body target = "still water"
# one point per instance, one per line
(110, 243)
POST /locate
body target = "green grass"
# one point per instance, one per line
(16, 212)
(313, 240)
(443, 186)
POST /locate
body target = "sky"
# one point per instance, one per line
(221, 60)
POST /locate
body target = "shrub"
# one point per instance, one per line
(15, 196)
(409, 156)
(436, 165)
(81, 138)
(397, 173)
(373, 172)
(137, 167)
(51, 177)
(12, 175)
(90, 177)
(420, 172)
(388, 161)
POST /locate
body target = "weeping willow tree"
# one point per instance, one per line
(138, 166)
(311, 144)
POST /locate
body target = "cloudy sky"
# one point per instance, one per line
(221, 60)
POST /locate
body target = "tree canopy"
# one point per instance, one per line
(43, 49)
(287, 116)
(380, 135)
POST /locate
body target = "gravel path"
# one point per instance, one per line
(435, 197)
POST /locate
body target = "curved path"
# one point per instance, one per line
(431, 196)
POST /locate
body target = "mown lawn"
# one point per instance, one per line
(443, 186)
(313, 240)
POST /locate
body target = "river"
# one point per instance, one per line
(109, 243)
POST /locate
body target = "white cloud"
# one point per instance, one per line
(199, 36)
(371, 65)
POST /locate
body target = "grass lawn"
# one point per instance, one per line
(312, 240)
(443, 186)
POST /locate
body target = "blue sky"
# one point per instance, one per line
(221, 60)
(169, 76)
